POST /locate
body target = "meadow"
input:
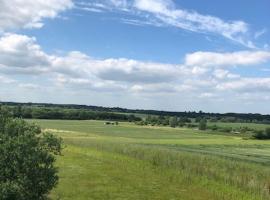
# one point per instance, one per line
(239, 125)
(144, 162)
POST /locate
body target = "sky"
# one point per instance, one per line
(175, 55)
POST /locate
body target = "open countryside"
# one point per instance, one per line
(134, 100)
(132, 162)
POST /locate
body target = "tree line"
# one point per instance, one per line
(33, 112)
(222, 117)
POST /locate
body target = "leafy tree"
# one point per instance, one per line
(267, 133)
(198, 119)
(202, 124)
(259, 135)
(27, 170)
(173, 122)
(262, 135)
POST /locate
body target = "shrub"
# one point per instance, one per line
(259, 135)
(267, 132)
(203, 124)
(225, 129)
(262, 135)
(27, 170)
(213, 128)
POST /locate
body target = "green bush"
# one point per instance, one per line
(27, 170)
(262, 135)
(203, 124)
(225, 129)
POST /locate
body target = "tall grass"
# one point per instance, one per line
(253, 179)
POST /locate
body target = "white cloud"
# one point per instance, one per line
(77, 64)
(202, 75)
(213, 59)
(224, 74)
(207, 95)
(17, 14)
(119, 3)
(29, 86)
(22, 53)
(160, 88)
(6, 80)
(246, 85)
(167, 13)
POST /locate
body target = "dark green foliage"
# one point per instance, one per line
(225, 129)
(192, 126)
(213, 117)
(262, 135)
(213, 128)
(259, 135)
(166, 121)
(32, 112)
(173, 122)
(203, 124)
(267, 132)
(27, 170)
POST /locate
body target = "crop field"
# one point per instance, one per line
(141, 162)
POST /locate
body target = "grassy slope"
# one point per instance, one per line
(132, 162)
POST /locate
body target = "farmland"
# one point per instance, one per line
(144, 162)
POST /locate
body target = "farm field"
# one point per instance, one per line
(137, 162)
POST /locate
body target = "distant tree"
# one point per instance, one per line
(148, 119)
(203, 124)
(17, 111)
(213, 119)
(27, 158)
(173, 122)
(214, 127)
(262, 135)
(131, 118)
(259, 135)
(267, 132)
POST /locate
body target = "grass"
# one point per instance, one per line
(238, 125)
(133, 162)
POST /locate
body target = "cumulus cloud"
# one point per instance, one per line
(224, 74)
(24, 48)
(136, 71)
(202, 72)
(17, 14)
(212, 59)
(85, 84)
(246, 85)
(77, 64)
(22, 54)
(160, 88)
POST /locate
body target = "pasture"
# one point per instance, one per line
(137, 162)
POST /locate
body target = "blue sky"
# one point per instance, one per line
(151, 54)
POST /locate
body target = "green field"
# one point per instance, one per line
(134, 162)
(238, 125)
